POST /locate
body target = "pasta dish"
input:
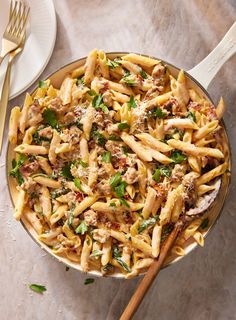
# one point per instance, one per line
(106, 164)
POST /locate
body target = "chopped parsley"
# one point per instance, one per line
(42, 84)
(49, 117)
(115, 180)
(83, 164)
(77, 183)
(98, 137)
(177, 156)
(65, 171)
(15, 171)
(120, 189)
(89, 281)
(148, 223)
(108, 267)
(204, 223)
(124, 202)
(96, 253)
(118, 186)
(82, 228)
(112, 63)
(92, 93)
(143, 74)
(123, 126)
(112, 204)
(37, 288)
(128, 80)
(98, 103)
(106, 156)
(58, 192)
(165, 171)
(71, 216)
(125, 149)
(80, 81)
(191, 115)
(166, 230)
(131, 103)
(157, 113)
(157, 175)
(114, 137)
(117, 256)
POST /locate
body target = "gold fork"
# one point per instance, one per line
(20, 33)
(16, 23)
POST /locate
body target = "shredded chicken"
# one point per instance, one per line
(27, 169)
(190, 191)
(104, 188)
(177, 173)
(107, 98)
(101, 235)
(46, 132)
(91, 217)
(131, 176)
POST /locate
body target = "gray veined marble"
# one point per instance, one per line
(201, 286)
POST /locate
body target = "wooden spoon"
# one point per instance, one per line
(152, 272)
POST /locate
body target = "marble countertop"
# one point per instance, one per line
(203, 285)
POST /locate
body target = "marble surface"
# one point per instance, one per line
(203, 285)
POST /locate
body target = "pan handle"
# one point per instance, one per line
(206, 70)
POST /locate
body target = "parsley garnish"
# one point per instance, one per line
(131, 103)
(42, 84)
(89, 281)
(125, 149)
(120, 189)
(80, 81)
(177, 156)
(129, 82)
(82, 228)
(83, 164)
(98, 137)
(124, 202)
(112, 63)
(148, 223)
(37, 288)
(49, 116)
(123, 126)
(191, 115)
(65, 171)
(117, 256)
(71, 216)
(92, 93)
(161, 171)
(204, 223)
(166, 230)
(114, 137)
(78, 184)
(96, 253)
(157, 175)
(115, 180)
(106, 156)
(112, 204)
(143, 74)
(15, 171)
(108, 267)
(157, 113)
(98, 103)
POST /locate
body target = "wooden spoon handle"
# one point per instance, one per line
(150, 275)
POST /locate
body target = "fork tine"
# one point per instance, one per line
(23, 21)
(13, 18)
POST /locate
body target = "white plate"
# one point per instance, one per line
(38, 48)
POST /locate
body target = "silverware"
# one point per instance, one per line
(19, 14)
(12, 36)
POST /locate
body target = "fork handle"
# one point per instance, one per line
(4, 101)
